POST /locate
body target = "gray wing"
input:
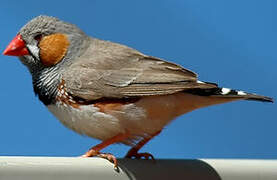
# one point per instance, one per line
(110, 70)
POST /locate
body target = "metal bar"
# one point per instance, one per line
(30, 168)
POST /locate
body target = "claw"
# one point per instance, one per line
(95, 150)
(137, 155)
(91, 153)
(133, 152)
(108, 156)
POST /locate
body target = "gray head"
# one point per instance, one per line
(46, 45)
(49, 41)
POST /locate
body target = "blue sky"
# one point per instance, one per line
(232, 43)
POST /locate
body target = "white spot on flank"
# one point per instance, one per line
(225, 90)
(241, 93)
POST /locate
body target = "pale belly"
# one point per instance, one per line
(87, 120)
(144, 117)
(140, 119)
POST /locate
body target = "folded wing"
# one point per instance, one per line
(110, 70)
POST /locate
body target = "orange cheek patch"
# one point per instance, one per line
(53, 48)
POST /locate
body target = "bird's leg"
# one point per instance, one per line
(133, 152)
(95, 150)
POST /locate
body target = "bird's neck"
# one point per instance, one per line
(45, 85)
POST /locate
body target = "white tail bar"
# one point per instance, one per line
(69, 168)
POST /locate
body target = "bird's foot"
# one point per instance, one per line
(137, 155)
(108, 156)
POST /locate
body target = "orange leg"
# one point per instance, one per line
(95, 151)
(133, 152)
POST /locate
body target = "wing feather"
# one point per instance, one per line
(111, 70)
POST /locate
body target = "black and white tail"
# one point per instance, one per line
(226, 92)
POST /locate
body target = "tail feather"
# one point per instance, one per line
(226, 93)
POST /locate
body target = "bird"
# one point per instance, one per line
(109, 91)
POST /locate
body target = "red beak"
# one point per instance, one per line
(16, 47)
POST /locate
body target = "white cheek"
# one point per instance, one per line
(34, 50)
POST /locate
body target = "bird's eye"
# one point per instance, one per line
(38, 37)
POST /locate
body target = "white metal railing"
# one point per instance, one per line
(61, 168)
